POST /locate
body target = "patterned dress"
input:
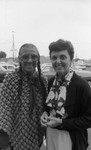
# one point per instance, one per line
(21, 105)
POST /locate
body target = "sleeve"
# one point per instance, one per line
(82, 121)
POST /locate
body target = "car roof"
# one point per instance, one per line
(83, 73)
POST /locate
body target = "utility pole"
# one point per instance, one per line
(13, 45)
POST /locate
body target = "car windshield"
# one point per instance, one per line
(5, 67)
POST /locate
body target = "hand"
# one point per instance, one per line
(43, 119)
(53, 121)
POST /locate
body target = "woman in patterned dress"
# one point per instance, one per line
(68, 105)
(21, 103)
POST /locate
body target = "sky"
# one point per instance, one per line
(41, 22)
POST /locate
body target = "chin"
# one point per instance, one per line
(60, 73)
(29, 71)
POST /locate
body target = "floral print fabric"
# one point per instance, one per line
(57, 96)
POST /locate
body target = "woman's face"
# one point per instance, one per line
(61, 62)
(28, 59)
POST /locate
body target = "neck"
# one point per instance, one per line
(61, 76)
(31, 74)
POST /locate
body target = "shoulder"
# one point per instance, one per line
(10, 77)
(80, 82)
(9, 82)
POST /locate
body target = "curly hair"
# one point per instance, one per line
(61, 45)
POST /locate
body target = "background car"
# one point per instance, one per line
(49, 72)
(6, 67)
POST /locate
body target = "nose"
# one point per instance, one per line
(58, 60)
(30, 59)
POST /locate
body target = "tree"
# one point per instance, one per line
(2, 54)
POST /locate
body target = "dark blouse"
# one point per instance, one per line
(78, 108)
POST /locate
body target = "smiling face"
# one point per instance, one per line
(28, 58)
(61, 62)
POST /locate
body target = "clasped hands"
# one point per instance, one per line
(50, 121)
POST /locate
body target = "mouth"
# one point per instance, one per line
(59, 66)
(29, 66)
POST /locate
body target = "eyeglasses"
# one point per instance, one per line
(27, 57)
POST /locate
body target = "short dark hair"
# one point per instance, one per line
(61, 45)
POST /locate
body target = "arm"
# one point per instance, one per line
(83, 120)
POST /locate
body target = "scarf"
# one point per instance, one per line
(57, 96)
(21, 105)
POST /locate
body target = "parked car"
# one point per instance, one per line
(6, 67)
(49, 72)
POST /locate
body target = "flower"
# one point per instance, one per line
(49, 104)
(60, 104)
(61, 112)
(69, 76)
(56, 95)
(62, 92)
(50, 96)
